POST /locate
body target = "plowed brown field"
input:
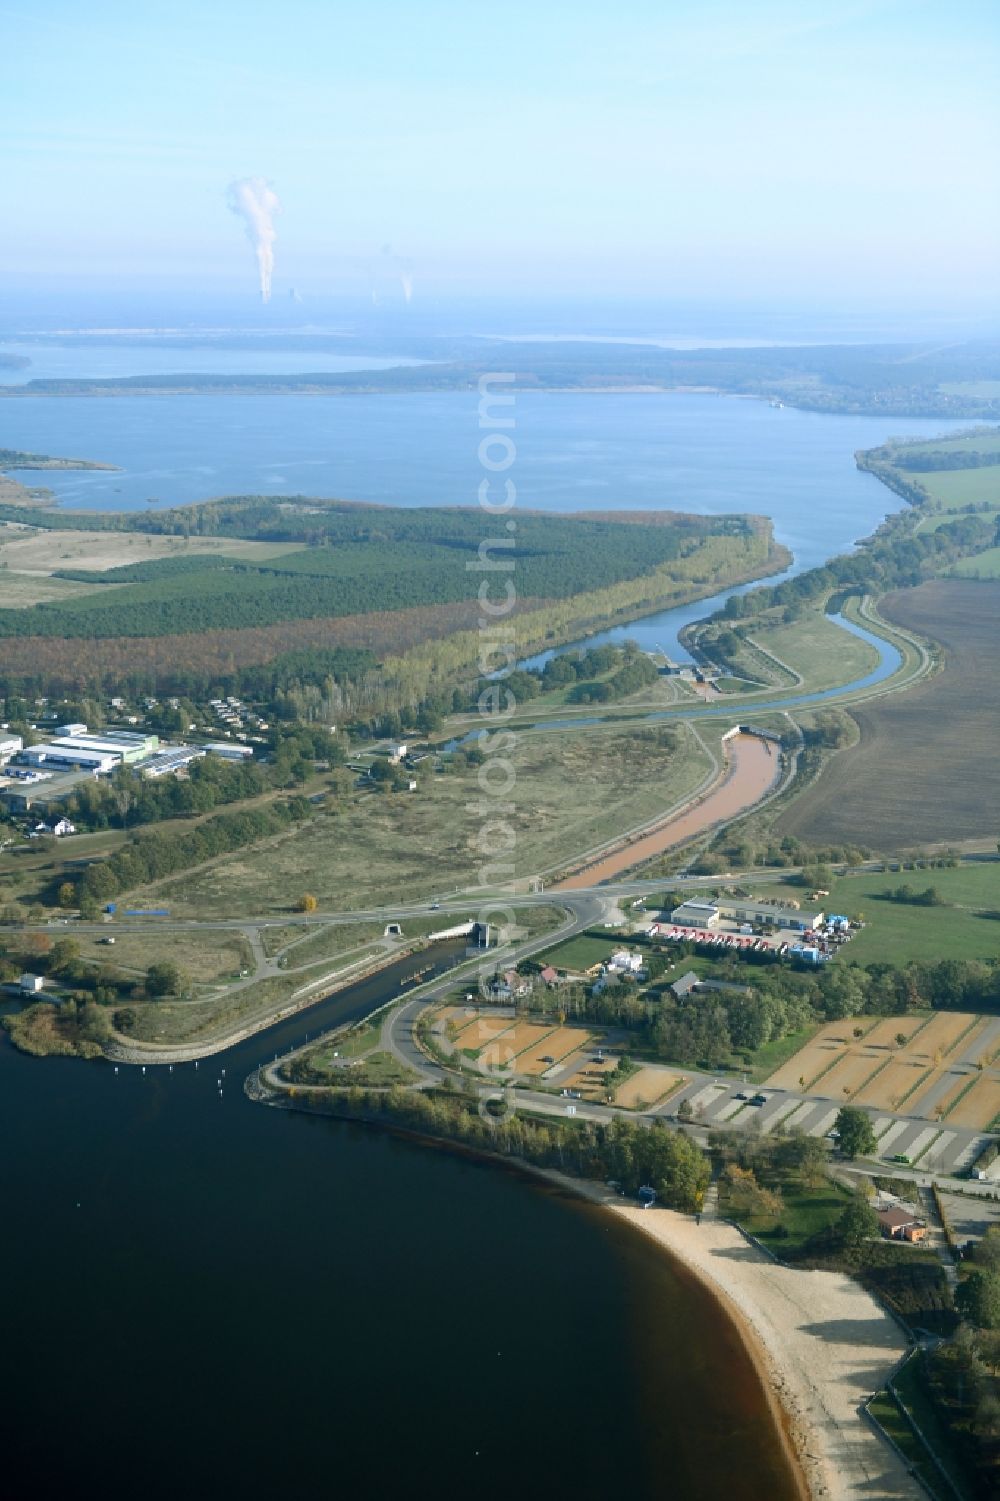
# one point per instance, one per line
(913, 778)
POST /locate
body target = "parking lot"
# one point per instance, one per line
(928, 1146)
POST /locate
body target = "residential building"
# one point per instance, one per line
(900, 1224)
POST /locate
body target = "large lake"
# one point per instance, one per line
(574, 452)
(204, 1297)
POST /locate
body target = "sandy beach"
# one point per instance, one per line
(822, 1344)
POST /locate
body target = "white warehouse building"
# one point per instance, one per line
(9, 746)
(67, 756)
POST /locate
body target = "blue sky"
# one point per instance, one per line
(763, 149)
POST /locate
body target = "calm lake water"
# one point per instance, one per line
(574, 452)
(207, 1297)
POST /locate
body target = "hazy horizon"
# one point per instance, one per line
(788, 157)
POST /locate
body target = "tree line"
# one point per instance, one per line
(768, 1000)
(632, 1155)
(154, 855)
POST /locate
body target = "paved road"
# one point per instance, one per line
(465, 904)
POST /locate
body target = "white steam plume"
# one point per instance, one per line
(387, 271)
(255, 202)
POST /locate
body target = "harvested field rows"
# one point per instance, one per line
(885, 1032)
(818, 1053)
(647, 1087)
(588, 1080)
(482, 1030)
(942, 1034)
(912, 779)
(874, 1070)
(456, 1016)
(891, 1085)
(979, 1108)
(522, 1035)
(931, 1101)
(557, 1044)
(847, 1076)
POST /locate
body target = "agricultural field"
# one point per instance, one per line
(558, 1043)
(925, 1064)
(980, 1107)
(820, 652)
(912, 779)
(985, 440)
(30, 556)
(647, 1087)
(954, 488)
(983, 565)
(572, 792)
(20, 590)
(963, 927)
(503, 1042)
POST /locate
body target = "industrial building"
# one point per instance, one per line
(230, 752)
(171, 758)
(67, 755)
(78, 750)
(695, 914)
(9, 746)
(127, 745)
(43, 793)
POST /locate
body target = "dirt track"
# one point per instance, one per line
(926, 768)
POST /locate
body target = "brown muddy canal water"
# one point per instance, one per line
(751, 770)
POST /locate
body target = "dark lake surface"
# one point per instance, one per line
(206, 1297)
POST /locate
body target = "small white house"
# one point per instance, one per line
(625, 963)
(397, 752)
(31, 984)
(59, 827)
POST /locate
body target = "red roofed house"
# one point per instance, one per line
(900, 1224)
